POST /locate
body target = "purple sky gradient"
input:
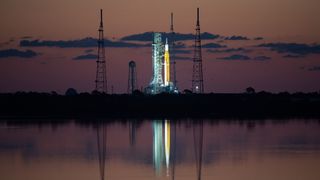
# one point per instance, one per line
(288, 21)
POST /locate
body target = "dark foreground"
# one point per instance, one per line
(258, 105)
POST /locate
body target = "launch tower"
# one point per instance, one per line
(101, 79)
(173, 61)
(197, 74)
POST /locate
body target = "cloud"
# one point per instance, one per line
(180, 45)
(7, 42)
(293, 56)
(315, 68)
(236, 57)
(245, 58)
(293, 48)
(207, 35)
(81, 43)
(228, 50)
(181, 58)
(213, 45)
(86, 57)
(258, 38)
(88, 50)
(26, 37)
(180, 51)
(262, 58)
(148, 36)
(17, 53)
(236, 38)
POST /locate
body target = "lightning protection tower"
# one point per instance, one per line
(172, 58)
(132, 77)
(197, 74)
(101, 79)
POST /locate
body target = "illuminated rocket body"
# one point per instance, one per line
(161, 68)
(166, 64)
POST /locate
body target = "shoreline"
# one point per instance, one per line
(258, 105)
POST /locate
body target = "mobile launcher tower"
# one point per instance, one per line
(160, 82)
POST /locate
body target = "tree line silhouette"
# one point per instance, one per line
(95, 104)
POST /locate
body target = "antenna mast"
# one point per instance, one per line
(197, 74)
(101, 79)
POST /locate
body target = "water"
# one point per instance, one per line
(161, 149)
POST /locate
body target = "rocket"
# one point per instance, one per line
(166, 64)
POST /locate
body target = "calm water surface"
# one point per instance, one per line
(161, 149)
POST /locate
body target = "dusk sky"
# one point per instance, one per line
(271, 45)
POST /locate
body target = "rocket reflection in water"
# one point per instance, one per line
(160, 153)
(167, 143)
(157, 146)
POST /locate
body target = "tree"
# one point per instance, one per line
(250, 90)
(71, 92)
(187, 91)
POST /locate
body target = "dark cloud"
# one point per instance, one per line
(17, 53)
(213, 45)
(88, 50)
(180, 45)
(315, 68)
(236, 57)
(180, 51)
(26, 37)
(86, 57)
(81, 43)
(293, 48)
(228, 50)
(293, 56)
(258, 38)
(181, 58)
(262, 58)
(245, 58)
(236, 38)
(7, 42)
(148, 36)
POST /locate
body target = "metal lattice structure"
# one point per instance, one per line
(197, 74)
(101, 77)
(172, 57)
(157, 56)
(132, 77)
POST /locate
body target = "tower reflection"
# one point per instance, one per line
(132, 132)
(102, 148)
(198, 144)
(157, 146)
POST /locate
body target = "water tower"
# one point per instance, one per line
(132, 77)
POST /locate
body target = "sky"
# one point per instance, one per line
(271, 45)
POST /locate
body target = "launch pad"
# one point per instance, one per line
(161, 82)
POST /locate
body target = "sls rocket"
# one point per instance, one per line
(166, 64)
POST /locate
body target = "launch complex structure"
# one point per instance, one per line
(161, 82)
(161, 65)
